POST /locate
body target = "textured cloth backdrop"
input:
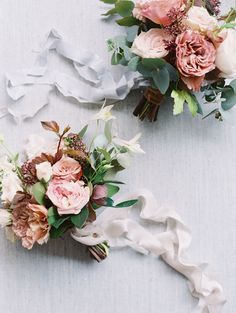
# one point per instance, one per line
(190, 164)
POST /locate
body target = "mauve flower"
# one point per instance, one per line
(195, 57)
(99, 194)
(68, 169)
(29, 221)
(68, 196)
(159, 11)
(151, 44)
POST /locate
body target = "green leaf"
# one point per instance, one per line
(109, 1)
(233, 85)
(128, 21)
(133, 63)
(132, 33)
(110, 12)
(112, 190)
(58, 232)
(124, 8)
(192, 103)
(229, 99)
(182, 96)
(53, 215)
(80, 219)
(116, 58)
(113, 182)
(126, 204)
(83, 131)
(107, 131)
(161, 79)
(179, 100)
(108, 202)
(173, 73)
(105, 154)
(60, 221)
(39, 192)
(228, 25)
(153, 63)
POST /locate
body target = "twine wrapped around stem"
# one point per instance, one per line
(149, 105)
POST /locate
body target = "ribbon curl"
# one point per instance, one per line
(93, 83)
(119, 228)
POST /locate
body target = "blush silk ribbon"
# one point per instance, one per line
(92, 82)
(120, 228)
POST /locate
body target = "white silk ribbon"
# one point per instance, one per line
(119, 228)
(92, 83)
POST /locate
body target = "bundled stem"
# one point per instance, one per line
(149, 105)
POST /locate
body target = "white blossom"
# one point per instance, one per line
(132, 145)
(104, 114)
(5, 218)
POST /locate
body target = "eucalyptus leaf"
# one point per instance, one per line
(80, 219)
(39, 192)
(154, 63)
(229, 99)
(133, 63)
(132, 33)
(161, 79)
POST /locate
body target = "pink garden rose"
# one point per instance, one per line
(68, 169)
(157, 10)
(30, 224)
(151, 44)
(68, 196)
(195, 57)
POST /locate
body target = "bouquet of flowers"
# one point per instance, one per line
(184, 49)
(61, 184)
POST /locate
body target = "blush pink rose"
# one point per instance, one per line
(68, 169)
(30, 224)
(195, 57)
(158, 11)
(68, 196)
(151, 44)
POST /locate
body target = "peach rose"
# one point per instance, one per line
(195, 57)
(225, 54)
(68, 196)
(199, 19)
(29, 222)
(158, 10)
(151, 44)
(68, 169)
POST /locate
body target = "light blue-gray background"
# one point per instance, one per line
(190, 164)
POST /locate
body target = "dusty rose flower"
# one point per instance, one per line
(68, 169)
(29, 221)
(158, 11)
(151, 44)
(99, 194)
(195, 57)
(68, 196)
